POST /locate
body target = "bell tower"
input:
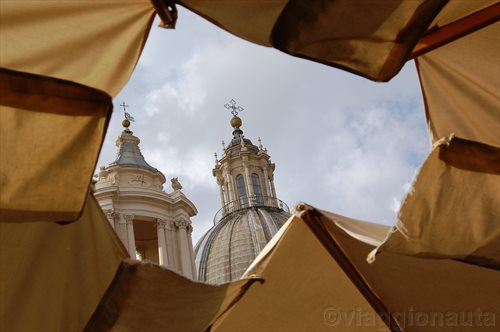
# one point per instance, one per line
(154, 225)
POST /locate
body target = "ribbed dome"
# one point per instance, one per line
(250, 214)
(228, 248)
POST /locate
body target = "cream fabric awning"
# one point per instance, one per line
(453, 207)
(94, 43)
(51, 133)
(316, 278)
(61, 62)
(77, 276)
(53, 275)
(312, 276)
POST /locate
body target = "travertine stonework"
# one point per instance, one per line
(152, 224)
(250, 215)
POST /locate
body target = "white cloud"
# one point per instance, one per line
(190, 165)
(365, 176)
(183, 95)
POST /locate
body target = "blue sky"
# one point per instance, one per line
(339, 142)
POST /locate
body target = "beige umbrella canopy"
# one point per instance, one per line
(313, 276)
(316, 278)
(62, 62)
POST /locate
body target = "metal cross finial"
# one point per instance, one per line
(127, 115)
(124, 106)
(233, 107)
(223, 145)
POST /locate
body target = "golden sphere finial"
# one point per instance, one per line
(128, 117)
(235, 122)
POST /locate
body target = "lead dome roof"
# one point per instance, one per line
(129, 154)
(228, 248)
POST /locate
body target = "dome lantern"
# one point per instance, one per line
(250, 212)
(153, 225)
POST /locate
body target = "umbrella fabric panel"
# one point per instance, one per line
(461, 87)
(370, 233)
(51, 133)
(147, 297)
(304, 289)
(248, 19)
(372, 39)
(53, 276)
(455, 10)
(452, 211)
(95, 43)
(421, 294)
(51, 130)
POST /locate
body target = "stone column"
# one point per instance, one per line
(271, 182)
(112, 216)
(121, 229)
(129, 219)
(191, 251)
(266, 183)
(227, 198)
(229, 181)
(162, 242)
(185, 258)
(220, 182)
(171, 245)
(251, 195)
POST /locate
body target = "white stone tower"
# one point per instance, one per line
(250, 212)
(245, 174)
(152, 224)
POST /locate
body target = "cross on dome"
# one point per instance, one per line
(234, 107)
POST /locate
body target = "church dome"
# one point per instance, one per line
(251, 213)
(228, 248)
(129, 154)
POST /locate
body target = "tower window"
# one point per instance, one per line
(146, 241)
(256, 189)
(242, 193)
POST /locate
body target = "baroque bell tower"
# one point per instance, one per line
(153, 225)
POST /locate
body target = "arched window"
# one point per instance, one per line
(256, 189)
(242, 192)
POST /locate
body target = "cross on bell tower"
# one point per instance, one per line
(124, 106)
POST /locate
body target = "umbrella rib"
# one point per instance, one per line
(457, 29)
